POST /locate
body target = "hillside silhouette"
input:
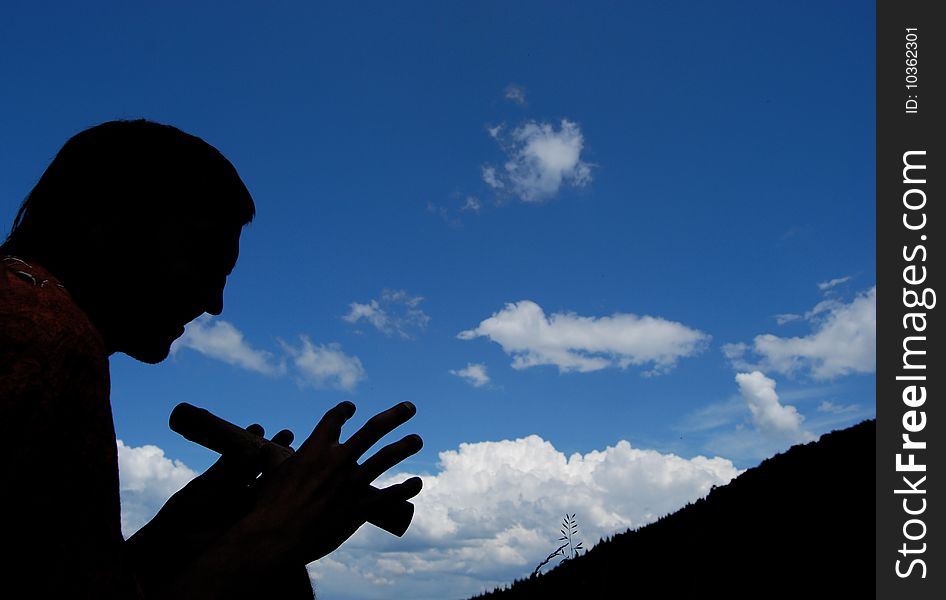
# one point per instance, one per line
(801, 524)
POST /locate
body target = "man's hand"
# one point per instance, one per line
(203, 511)
(318, 497)
(248, 532)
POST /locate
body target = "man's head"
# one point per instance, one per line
(141, 223)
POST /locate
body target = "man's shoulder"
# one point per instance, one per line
(38, 317)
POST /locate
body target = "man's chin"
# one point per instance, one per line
(152, 351)
(150, 355)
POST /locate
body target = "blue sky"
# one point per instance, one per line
(592, 244)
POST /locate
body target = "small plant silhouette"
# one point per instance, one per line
(569, 549)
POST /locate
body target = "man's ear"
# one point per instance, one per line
(98, 240)
(116, 240)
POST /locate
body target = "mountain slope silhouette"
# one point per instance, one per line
(799, 525)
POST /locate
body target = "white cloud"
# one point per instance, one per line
(768, 415)
(540, 160)
(491, 179)
(443, 213)
(836, 409)
(395, 312)
(575, 343)
(472, 204)
(474, 373)
(713, 416)
(220, 340)
(745, 444)
(491, 514)
(734, 352)
(488, 515)
(325, 365)
(371, 312)
(516, 94)
(317, 365)
(784, 318)
(825, 306)
(843, 342)
(147, 479)
(827, 285)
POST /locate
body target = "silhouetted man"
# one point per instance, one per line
(129, 234)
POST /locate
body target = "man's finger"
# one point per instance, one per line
(239, 467)
(389, 456)
(386, 497)
(379, 426)
(234, 468)
(273, 455)
(329, 427)
(389, 508)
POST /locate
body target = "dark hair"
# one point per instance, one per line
(128, 175)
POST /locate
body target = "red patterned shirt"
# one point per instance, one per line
(59, 499)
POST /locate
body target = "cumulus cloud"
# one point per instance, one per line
(147, 479)
(395, 313)
(540, 159)
(575, 343)
(843, 342)
(220, 340)
(768, 414)
(324, 365)
(474, 373)
(516, 94)
(491, 514)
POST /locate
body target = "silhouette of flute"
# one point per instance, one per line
(202, 427)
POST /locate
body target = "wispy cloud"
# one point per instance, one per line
(784, 318)
(320, 365)
(395, 312)
(221, 340)
(713, 416)
(472, 204)
(491, 179)
(444, 213)
(324, 365)
(516, 94)
(827, 285)
(835, 409)
(575, 343)
(474, 373)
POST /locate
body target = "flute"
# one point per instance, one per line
(210, 431)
